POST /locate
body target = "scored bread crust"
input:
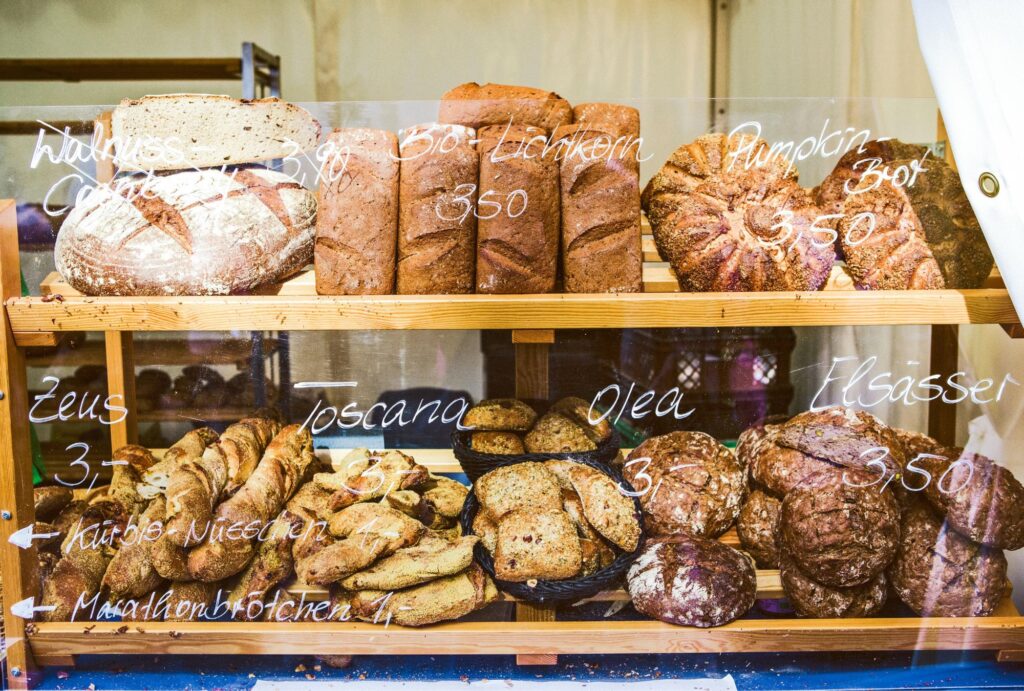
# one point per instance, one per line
(756, 527)
(692, 581)
(475, 105)
(937, 572)
(201, 232)
(715, 219)
(813, 599)
(178, 131)
(926, 235)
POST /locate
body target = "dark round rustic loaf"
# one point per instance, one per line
(715, 209)
(980, 499)
(756, 527)
(940, 573)
(778, 469)
(813, 599)
(852, 165)
(692, 581)
(839, 534)
(925, 234)
(748, 439)
(689, 483)
(195, 232)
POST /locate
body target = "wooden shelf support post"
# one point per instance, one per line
(532, 348)
(16, 505)
(121, 382)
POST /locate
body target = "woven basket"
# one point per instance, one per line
(565, 591)
(475, 464)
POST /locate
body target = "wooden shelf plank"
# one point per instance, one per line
(504, 638)
(293, 306)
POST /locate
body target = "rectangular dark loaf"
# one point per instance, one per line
(619, 120)
(436, 209)
(600, 202)
(357, 214)
(517, 246)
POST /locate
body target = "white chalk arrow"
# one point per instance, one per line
(26, 608)
(23, 538)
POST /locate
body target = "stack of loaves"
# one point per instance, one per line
(482, 200)
(690, 488)
(847, 507)
(507, 426)
(190, 216)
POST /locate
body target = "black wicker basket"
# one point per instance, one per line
(475, 464)
(557, 592)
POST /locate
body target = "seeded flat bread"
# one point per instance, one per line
(451, 597)
(812, 599)
(756, 527)
(537, 544)
(431, 558)
(486, 530)
(838, 534)
(692, 581)
(445, 494)
(606, 508)
(523, 485)
(556, 433)
(508, 443)
(500, 415)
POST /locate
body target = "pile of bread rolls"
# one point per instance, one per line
(506, 426)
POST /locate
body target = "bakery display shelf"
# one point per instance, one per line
(295, 306)
(158, 351)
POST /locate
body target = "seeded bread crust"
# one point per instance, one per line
(497, 442)
(693, 484)
(838, 534)
(537, 544)
(556, 433)
(500, 415)
(692, 581)
(519, 486)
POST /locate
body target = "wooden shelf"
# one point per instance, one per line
(119, 69)
(163, 351)
(508, 638)
(294, 306)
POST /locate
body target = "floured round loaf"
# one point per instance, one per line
(181, 131)
(692, 581)
(688, 482)
(201, 232)
(756, 527)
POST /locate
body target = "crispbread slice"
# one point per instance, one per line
(608, 510)
(537, 544)
(523, 485)
(181, 131)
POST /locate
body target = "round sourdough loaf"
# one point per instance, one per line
(197, 232)
(940, 573)
(728, 215)
(839, 534)
(692, 581)
(812, 599)
(688, 483)
(855, 163)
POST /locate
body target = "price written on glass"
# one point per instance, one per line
(877, 457)
(489, 204)
(822, 230)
